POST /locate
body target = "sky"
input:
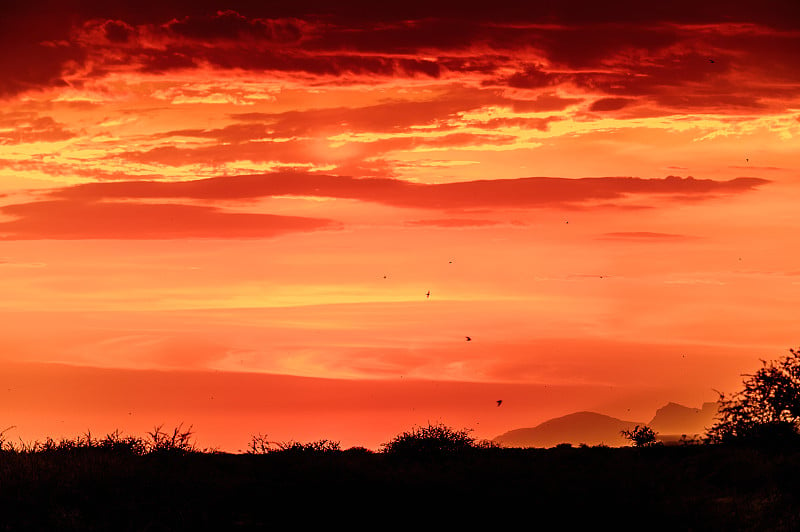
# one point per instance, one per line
(287, 218)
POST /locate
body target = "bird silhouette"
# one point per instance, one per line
(468, 338)
(428, 295)
(711, 60)
(499, 402)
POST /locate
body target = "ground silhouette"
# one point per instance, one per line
(115, 484)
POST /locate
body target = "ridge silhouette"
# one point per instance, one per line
(670, 422)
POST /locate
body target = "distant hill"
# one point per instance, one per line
(674, 420)
(670, 423)
(590, 428)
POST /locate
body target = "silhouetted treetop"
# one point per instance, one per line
(767, 407)
(641, 436)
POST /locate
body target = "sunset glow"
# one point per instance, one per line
(230, 216)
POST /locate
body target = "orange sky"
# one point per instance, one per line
(230, 216)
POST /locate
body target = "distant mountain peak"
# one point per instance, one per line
(670, 422)
(676, 419)
(586, 427)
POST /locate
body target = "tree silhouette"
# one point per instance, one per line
(641, 436)
(432, 441)
(767, 408)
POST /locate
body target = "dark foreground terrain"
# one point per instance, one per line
(694, 487)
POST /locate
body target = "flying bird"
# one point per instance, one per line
(428, 295)
(499, 402)
(468, 338)
(711, 60)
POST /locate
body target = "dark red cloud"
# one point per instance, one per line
(34, 56)
(228, 25)
(531, 77)
(117, 31)
(72, 220)
(610, 104)
(663, 63)
(776, 12)
(327, 65)
(543, 103)
(658, 54)
(520, 193)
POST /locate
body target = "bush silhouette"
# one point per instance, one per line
(641, 436)
(766, 409)
(259, 444)
(430, 441)
(319, 446)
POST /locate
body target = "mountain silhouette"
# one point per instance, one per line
(670, 423)
(673, 420)
(590, 428)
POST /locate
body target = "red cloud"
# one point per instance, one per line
(610, 104)
(72, 220)
(521, 193)
(303, 150)
(543, 103)
(18, 128)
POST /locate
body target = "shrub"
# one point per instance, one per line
(486, 444)
(430, 441)
(259, 444)
(358, 451)
(319, 446)
(641, 436)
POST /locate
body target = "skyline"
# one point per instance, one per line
(328, 202)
